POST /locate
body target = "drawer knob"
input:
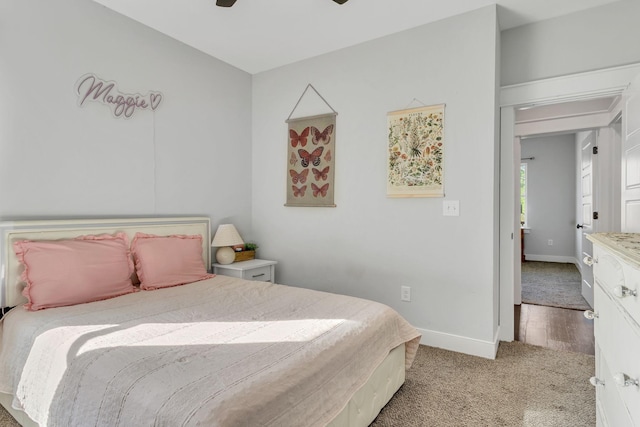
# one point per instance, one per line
(595, 381)
(623, 291)
(623, 380)
(589, 260)
(590, 314)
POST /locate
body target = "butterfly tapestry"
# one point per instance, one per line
(298, 192)
(323, 137)
(311, 160)
(299, 139)
(313, 157)
(320, 175)
(322, 191)
(299, 177)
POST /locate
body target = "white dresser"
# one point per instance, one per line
(616, 313)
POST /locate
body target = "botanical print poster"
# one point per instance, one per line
(310, 161)
(416, 148)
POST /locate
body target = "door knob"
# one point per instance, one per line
(579, 226)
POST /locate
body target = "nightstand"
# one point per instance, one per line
(254, 269)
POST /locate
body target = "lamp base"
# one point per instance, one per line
(225, 255)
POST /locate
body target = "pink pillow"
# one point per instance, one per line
(75, 271)
(163, 261)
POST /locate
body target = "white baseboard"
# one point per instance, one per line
(551, 258)
(472, 346)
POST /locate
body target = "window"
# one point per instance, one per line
(523, 194)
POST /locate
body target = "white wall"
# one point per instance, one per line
(551, 189)
(192, 156)
(370, 245)
(593, 39)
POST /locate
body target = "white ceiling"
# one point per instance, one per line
(258, 35)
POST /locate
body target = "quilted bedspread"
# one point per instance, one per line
(220, 352)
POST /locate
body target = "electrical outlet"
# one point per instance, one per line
(550, 242)
(405, 293)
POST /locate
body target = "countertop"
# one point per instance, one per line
(625, 245)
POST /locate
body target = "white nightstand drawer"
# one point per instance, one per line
(262, 274)
(255, 269)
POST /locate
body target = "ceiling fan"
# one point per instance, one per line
(229, 3)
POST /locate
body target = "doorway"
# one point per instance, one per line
(577, 87)
(550, 274)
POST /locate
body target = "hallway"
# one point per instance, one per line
(552, 327)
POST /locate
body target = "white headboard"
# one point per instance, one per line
(10, 232)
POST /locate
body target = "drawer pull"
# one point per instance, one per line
(590, 314)
(623, 291)
(257, 275)
(595, 381)
(623, 380)
(589, 260)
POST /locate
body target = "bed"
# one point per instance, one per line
(219, 351)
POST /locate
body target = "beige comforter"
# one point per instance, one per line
(221, 352)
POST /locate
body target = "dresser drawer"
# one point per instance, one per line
(262, 274)
(612, 273)
(610, 409)
(618, 340)
(608, 270)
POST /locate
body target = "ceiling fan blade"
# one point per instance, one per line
(226, 3)
(340, 1)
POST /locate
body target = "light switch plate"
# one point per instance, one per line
(451, 208)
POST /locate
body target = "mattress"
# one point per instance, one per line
(219, 352)
(361, 410)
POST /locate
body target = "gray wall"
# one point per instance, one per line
(191, 156)
(593, 39)
(551, 196)
(370, 244)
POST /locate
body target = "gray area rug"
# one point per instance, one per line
(525, 386)
(552, 284)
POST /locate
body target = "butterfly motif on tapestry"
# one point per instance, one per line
(320, 175)
(321, 137)
(313, 157)
(319, 190)
(293, 159)
(327, 157)
(299, 177)
(299, 139)
(298, 192)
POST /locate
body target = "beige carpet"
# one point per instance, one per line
(525, 386)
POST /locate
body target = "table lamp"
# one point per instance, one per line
(225, 237)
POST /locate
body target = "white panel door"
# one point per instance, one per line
(587, 226)
(631, 158)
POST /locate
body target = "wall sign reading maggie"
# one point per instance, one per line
(92, 88)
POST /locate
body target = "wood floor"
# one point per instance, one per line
(556, 328)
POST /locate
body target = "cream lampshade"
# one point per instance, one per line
(226, 236)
